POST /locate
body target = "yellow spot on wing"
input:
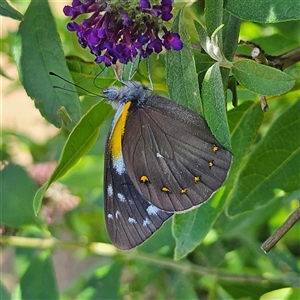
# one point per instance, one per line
(165, 189)
(215, 148)
(183, 191)
(144, 179)
(118, 132)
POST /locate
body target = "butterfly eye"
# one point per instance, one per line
(110, 94)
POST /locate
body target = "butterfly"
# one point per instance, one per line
(161, 158)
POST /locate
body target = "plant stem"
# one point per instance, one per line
(281, 231)
(109, 250)
(280, 62)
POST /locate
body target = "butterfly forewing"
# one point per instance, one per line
(130, 218)
(173, 148)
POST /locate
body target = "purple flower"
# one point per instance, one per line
(119, 31)
(172, 39)
(155, 45)
(79, 8)
(126, 21)
(103, 58)
(166, 7)
(145, 4)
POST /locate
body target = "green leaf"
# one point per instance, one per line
(247, 290)
(16, 203)
(213, 16)
(288, 293)
(246, 222)
(244, 124)
(214, 105)
(203, 62)
(7, 11)
(230, 38)
(39, 280)
(181, 71)
(262, 79)
(39, 52)
(189, 229)
(203, 36)
(86, 175)
(79, 142)
(270, 11)
(274, 164)
(104, 284)
(230, 35)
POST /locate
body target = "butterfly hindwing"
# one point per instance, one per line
(175, 170)
(130, 218)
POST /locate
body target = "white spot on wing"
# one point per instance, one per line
(152, 210)
(110, 216)
(131, 221)
(117, 214)
(121, 197)
(146, 222)
(110, 190)
(119, 165)
(159, 155)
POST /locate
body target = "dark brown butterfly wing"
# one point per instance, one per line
(171, 156)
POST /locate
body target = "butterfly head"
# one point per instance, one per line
(130, 91)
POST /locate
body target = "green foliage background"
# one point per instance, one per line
(212, 252)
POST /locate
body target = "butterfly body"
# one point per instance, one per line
(161, 159)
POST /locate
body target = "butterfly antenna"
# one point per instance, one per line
(95, 78)
(72, 83)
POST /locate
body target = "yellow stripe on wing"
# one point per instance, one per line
(118, 132)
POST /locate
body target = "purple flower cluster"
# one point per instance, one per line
(118, 31)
